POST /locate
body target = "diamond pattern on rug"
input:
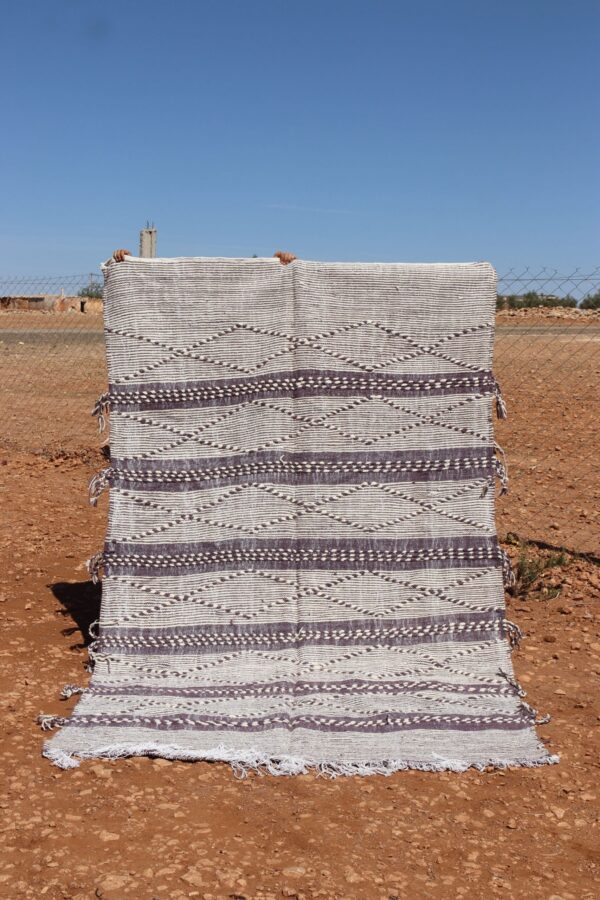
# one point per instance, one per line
(301, 568)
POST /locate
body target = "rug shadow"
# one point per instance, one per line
(81, 602)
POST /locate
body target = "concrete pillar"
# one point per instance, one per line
(148, 241)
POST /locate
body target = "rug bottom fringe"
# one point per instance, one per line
(244, 762)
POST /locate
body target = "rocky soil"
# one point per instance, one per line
(545, 313)
(156, 830)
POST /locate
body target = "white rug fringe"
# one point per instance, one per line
(243, 762)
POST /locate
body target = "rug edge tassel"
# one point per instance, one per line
(508, 574)
(100, 409)
(94, 564)
(69, 690)
(261, 763)
(521, 693)
(98, 483)
(501, 410)
(501, 472)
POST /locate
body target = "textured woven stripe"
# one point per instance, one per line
(304, 383)
(305, 468)
(298, 688)
(341, 633)
(284, 553)
(366, 724)
(301, 566)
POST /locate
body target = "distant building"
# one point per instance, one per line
(52, 303)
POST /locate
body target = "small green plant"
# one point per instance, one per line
(529, 571)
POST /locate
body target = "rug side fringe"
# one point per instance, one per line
(98, 483)
(244, 762)
(500, 402)
(100, 410)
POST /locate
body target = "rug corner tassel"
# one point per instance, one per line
(60, 758)
(46, 722)
(536, 719)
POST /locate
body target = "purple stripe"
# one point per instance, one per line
(296, 383)
(350, 686)
(122, 558)
(377, 724)
(417, 456)
(294, 635)
(461, 463)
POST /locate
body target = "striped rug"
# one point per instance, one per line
(301, 569)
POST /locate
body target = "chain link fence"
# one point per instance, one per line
(52, 362)
(547, 360)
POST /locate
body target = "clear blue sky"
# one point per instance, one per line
(428, 130)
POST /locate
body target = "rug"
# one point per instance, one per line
(301, 570)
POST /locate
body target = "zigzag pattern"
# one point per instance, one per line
(364, 335)
(265, 425)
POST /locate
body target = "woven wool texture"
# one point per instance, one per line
(301, 567)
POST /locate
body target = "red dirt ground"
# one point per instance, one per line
(155, 830)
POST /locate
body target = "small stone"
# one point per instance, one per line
(100, 771)
(511, 824)
(228, 876)
(108, 836)
(549, 638)
(114, 882)
(292, 871)
(352, 877)
(193, 876)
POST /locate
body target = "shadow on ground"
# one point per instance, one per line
(81, 601)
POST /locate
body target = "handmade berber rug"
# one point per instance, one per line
(301, 570)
